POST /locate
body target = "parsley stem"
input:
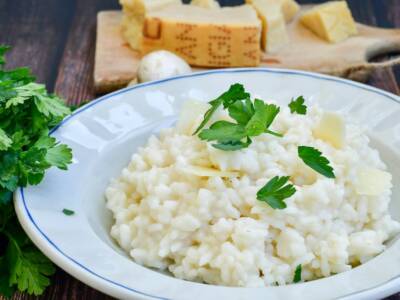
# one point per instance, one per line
(273, 133)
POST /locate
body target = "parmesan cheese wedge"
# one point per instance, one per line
(332, 129)
(289, 8)
(210, 4)
(331, 21)
(372, 182)
(209, 172)
(191, 115)
(134, 12)
(226, 37)
(274, 34)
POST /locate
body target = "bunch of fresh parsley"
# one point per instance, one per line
(27, 113)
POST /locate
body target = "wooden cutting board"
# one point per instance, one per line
(116, 63)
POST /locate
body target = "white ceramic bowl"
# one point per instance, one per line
(104, 134)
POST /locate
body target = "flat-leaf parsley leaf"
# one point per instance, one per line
(264, 115)
(297, 274)
(223, 131)
(241, 111)
(297, 106)
(275, 191)
(316, 161)
(29, 267)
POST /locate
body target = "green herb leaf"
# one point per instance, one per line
(233, 145)
(6, 289)
(314, 159)
(275, 191)
(223, 131)
(8, 171)
(3, 50)
(297, 106)
(29, 268)
(297, 274)
(241, 111)
(264, 115)
(32, 165)
(5, 141)
(5, 196)
(68, 212)
(51, 105)
(57, 155)
(24, 93)
(236, 92)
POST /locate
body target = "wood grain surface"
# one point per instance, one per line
(56, 38)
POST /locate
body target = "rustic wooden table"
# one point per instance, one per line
(56, 39)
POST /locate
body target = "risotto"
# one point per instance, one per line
(185, 206)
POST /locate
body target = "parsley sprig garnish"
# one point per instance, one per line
(275, 191)
(297, 274)
(27, 113)
(297, 106)
(252, 119)
(236, 92)
(315, 160)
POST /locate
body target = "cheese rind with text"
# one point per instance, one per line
(134, 12)
(331, 21)
(226, 37)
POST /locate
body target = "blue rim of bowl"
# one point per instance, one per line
(385, 94)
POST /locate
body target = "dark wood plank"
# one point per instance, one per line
(64, 287)
(393, 15)
(75, 76)
(37, 30)
(385, 16)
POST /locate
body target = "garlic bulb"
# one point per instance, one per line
(161, 64)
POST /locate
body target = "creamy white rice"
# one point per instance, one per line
(214, 230)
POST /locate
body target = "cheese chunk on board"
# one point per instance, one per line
(210, 4)
(331, 21)
(274, 34)
(289, 8)
(226, 37)
(134, 15)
